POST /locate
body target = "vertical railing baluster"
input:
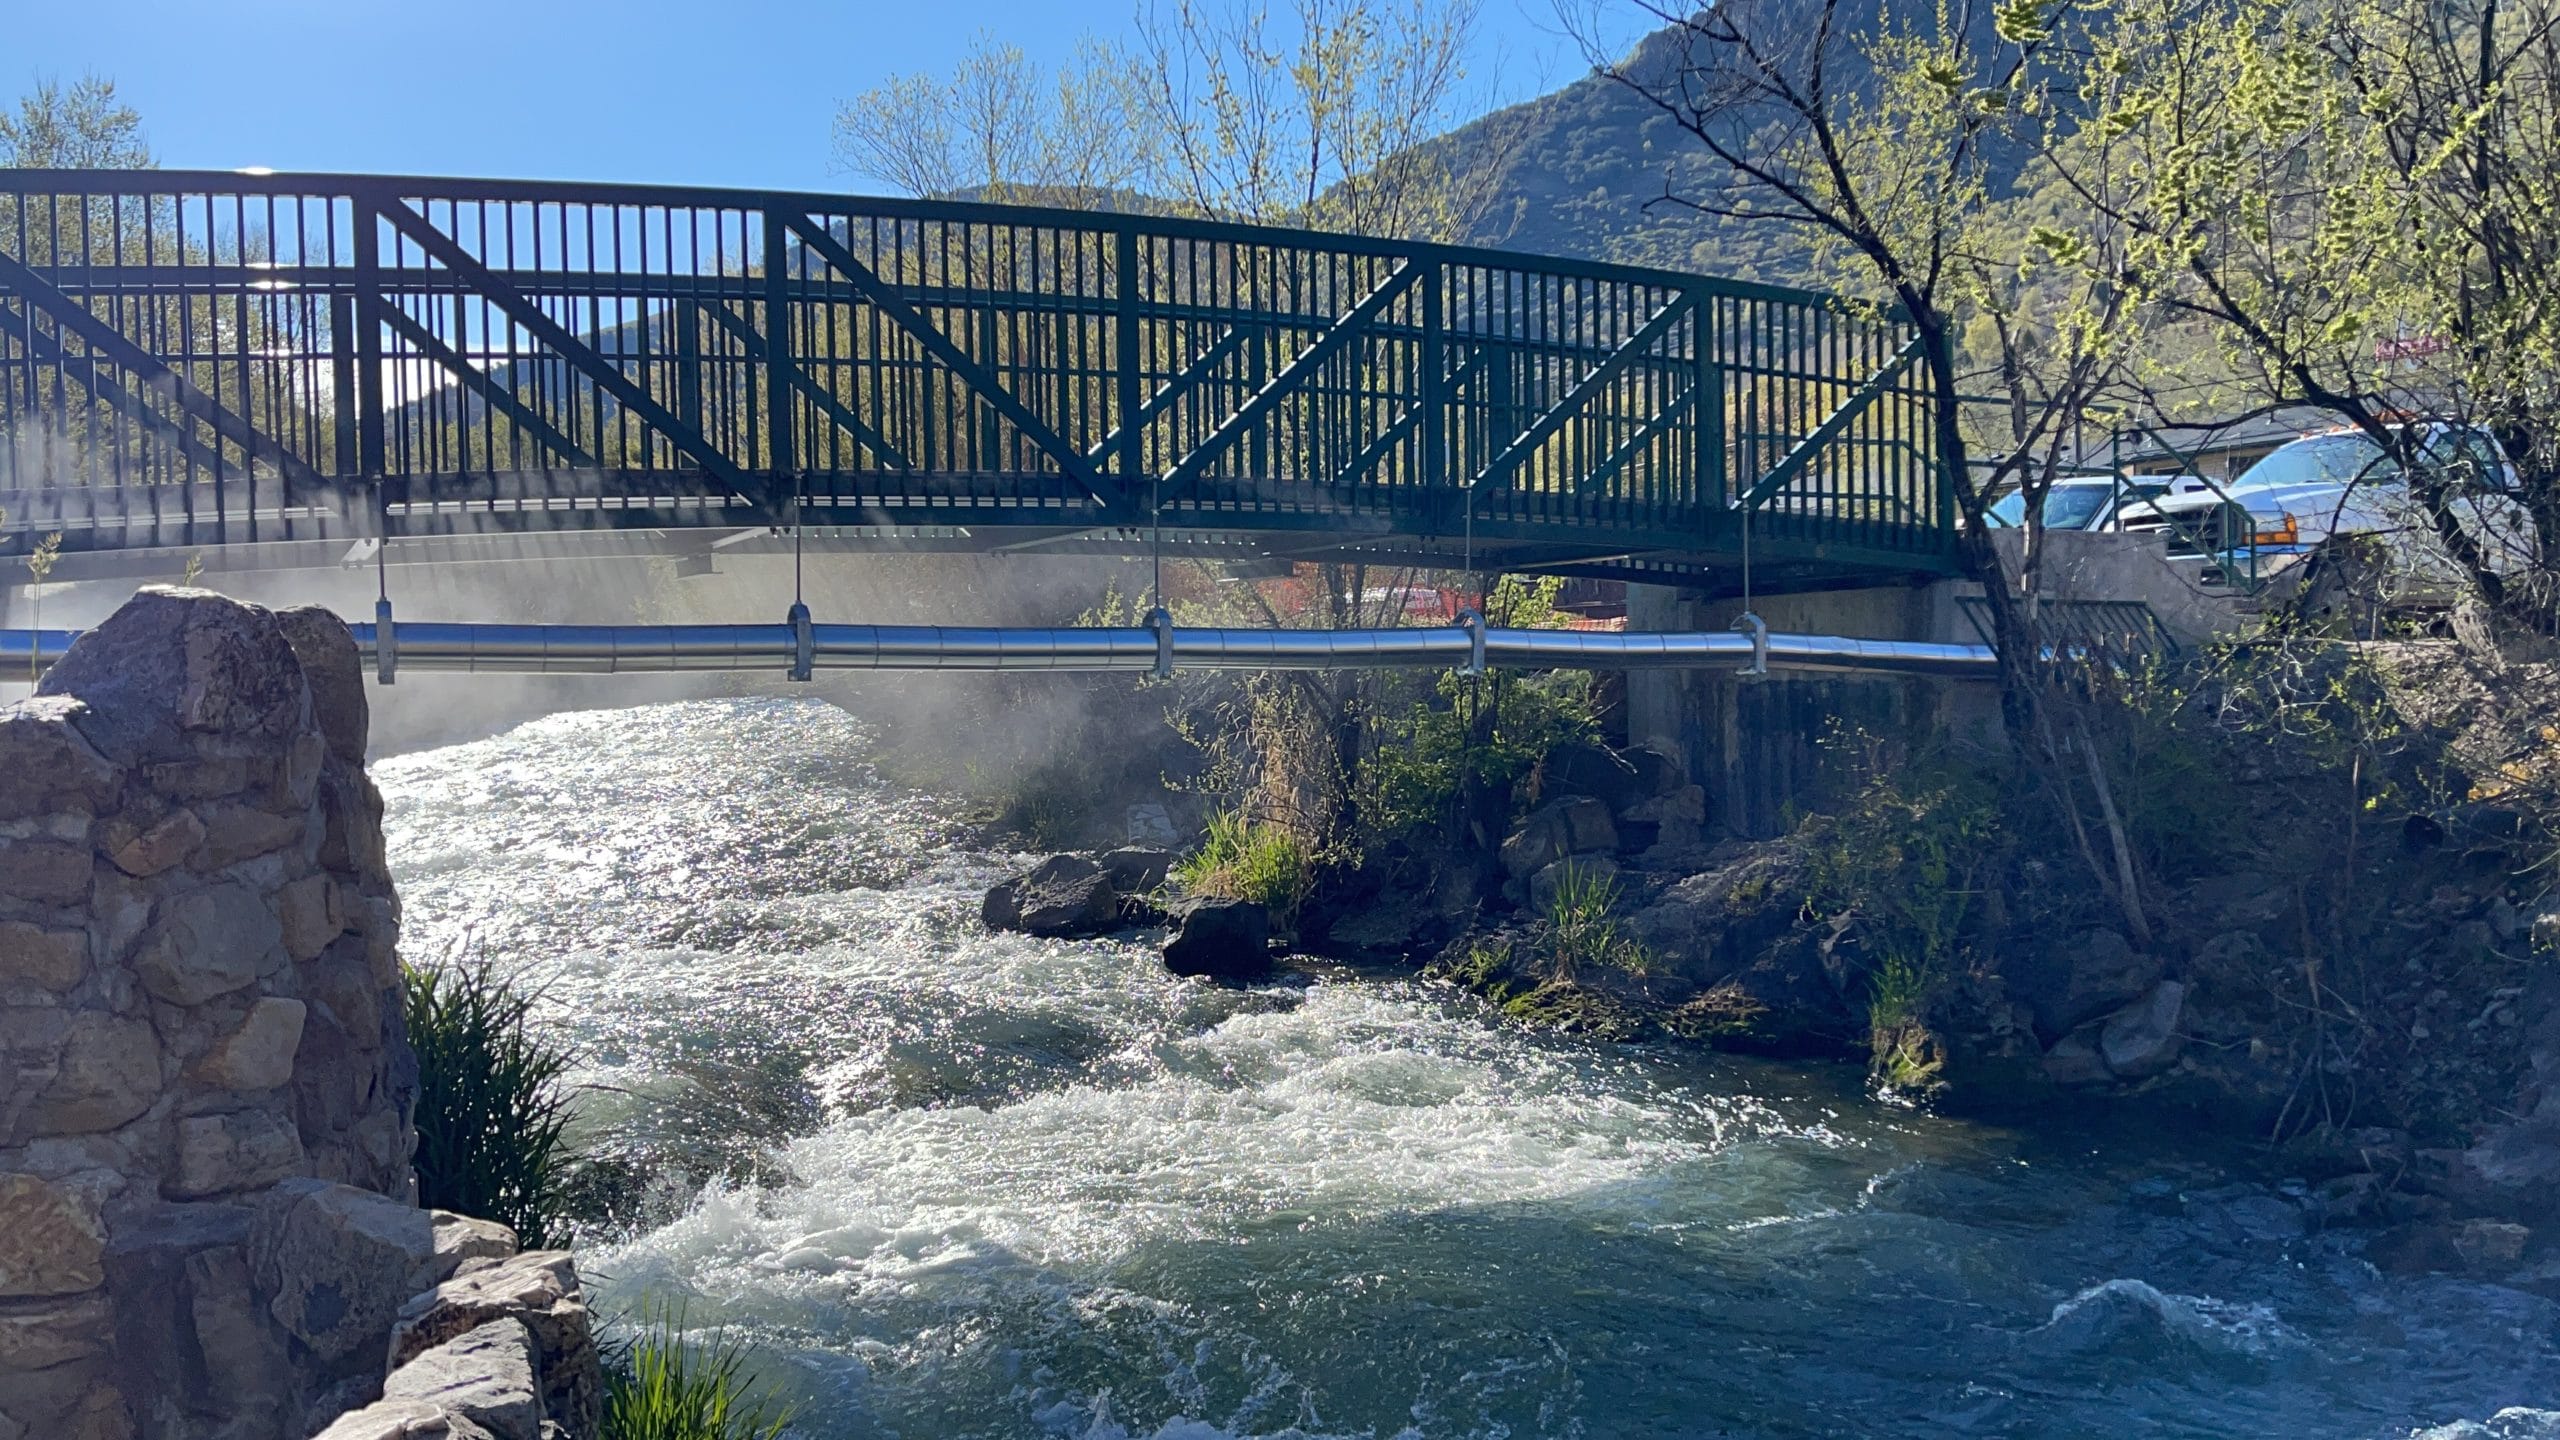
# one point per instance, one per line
(366, 219)
(1124, 357)
(1435, 398)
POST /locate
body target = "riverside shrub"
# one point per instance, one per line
(492, 1111)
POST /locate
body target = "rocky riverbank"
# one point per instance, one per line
(2381, 1011)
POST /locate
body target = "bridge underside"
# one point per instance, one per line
(293, 371)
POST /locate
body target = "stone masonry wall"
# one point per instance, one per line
(205, 1193)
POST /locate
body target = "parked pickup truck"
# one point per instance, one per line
(2329, 518)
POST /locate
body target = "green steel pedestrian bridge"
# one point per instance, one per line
(334, 366)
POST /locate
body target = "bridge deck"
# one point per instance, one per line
(196, 359)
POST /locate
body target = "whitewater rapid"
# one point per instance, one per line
(949, 1183)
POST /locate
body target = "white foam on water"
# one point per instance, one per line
(1044, 1188)
(2125, 1311)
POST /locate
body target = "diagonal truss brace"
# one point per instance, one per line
(1498, 471)
(745, 333)
(496, 396)
(105, 339)
(41, 346)
(1323, 348)
(1405, 424)
(1069, 461)
(485, 285)
(1795, 460)
(1646, 433)
(1170, 393)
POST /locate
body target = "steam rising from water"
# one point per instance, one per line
(990, 1186)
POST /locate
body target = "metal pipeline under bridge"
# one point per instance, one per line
(798, 649)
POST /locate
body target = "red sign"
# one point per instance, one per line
(2408, 347)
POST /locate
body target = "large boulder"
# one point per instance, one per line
(485, 1374)
(1656, 773)
(1577, 825)
(1137, 871)
(1736, 932)
(338, 1261)
(1587, 870)
(1222, 939)
(1064, 897)
(335, 674)
(173, 665)
(2092, 974)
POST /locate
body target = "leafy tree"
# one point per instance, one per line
(1327, 115)
(1892, 146)
(82, 127)
(1913, 151)
(2360, 199)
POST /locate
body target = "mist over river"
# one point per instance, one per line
(986, 1185)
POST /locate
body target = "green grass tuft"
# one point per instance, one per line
(1242, 860)
(1583, 929)
(660, 1386)
(491, 1106)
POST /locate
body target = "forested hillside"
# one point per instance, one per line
(1585, 169)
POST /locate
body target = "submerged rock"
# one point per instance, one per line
(1065, 897)
(1223, 939)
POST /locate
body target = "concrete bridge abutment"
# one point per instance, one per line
(1769, 750)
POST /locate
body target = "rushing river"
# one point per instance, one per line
(983, 1185)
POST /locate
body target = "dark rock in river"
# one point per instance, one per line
(2144, 1039)
(1224, 939)
(1135, 871)
(1066, 897)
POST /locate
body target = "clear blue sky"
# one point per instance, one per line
(735, 93)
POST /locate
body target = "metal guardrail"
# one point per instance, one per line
(195, 358)
(622, 649)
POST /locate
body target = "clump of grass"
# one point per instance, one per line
(1583, 929)
(492, 1111)
(1240, 859)
(659, 1386)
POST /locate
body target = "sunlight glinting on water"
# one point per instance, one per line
(960, 1184)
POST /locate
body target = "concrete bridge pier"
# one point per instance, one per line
(1768, 750)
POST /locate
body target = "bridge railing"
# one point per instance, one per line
(189, 358)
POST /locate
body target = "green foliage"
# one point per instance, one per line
(1491, 733)
(1484, 735)
(491, 1106)
(79, 127)
(1243, 859)
(1583, 931)
(1912, 855)
(661, 1386)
